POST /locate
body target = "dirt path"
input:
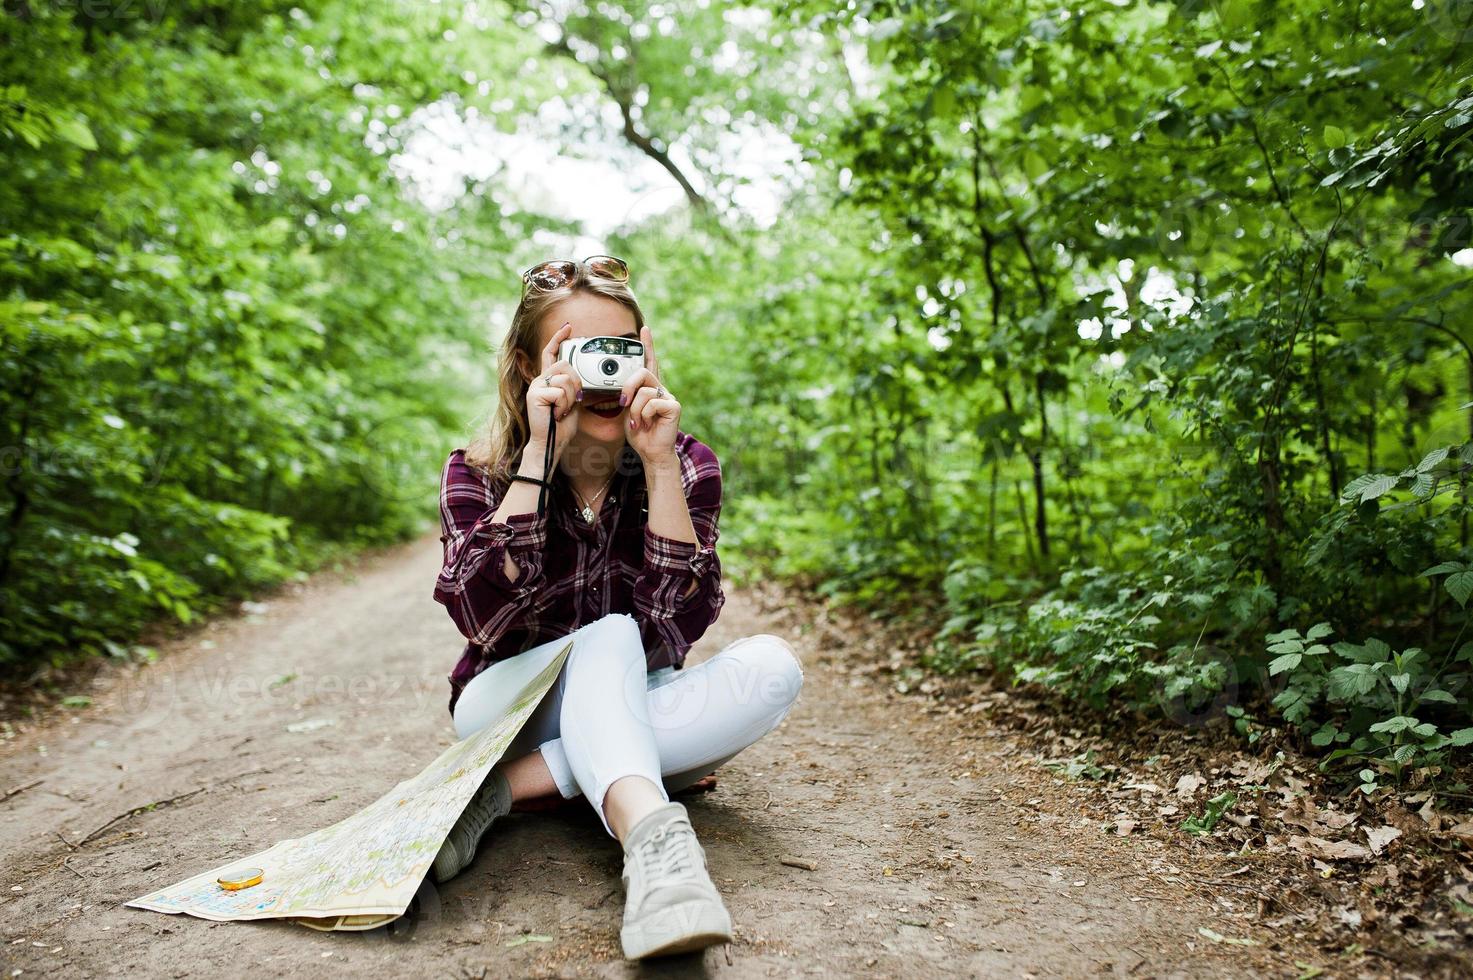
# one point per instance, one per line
(932, 858)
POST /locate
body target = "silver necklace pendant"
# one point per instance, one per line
(588, 515)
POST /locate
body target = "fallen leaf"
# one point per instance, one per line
(1329, 850)
(1189, 784)
(1379, 837)
(310, 725)
(1293, 786)
(1250, 771)
(1218, 937)
(530, 937)
(1301, 812)
(1402, 819)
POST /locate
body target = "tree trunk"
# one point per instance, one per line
(1040, 513)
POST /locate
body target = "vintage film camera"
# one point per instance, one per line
(603, 363)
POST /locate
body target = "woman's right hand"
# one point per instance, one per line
(562, 391)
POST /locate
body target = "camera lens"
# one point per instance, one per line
(609, 366)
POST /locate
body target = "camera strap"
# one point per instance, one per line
(547, 459)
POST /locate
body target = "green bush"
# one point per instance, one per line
(223, 318)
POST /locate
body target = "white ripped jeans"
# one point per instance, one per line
(605, 717)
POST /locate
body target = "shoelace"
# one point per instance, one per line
(480, 812)
(669, 850)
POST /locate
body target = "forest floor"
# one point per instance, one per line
(943, 842)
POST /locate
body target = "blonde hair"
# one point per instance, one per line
(495, 449)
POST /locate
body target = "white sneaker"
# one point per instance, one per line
(492, 800)
(670, 904)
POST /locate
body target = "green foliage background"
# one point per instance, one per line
(1132, 337)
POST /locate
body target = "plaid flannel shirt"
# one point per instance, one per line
(572, 573)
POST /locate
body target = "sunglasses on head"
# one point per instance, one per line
(556, 273)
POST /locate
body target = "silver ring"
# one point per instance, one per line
(660, 392)
(546, 380)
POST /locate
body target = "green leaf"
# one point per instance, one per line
(1463, 736)
(1400, 723)
(1318, 631)
(1349, 683)
(529, 937)
(943, 100)
(1353, 489)
(1371, 652)
(1218, 937)
(1378, 486)
(1292, 704)
(1334, 137)
(1209, 818)
(1034, 165)
(1432, 459)
(1460, 586)
(74, 130)
(1287, 662)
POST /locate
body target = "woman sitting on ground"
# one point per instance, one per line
(623, 562)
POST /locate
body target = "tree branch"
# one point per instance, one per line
(643, 142)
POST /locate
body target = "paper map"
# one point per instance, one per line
(364, 870)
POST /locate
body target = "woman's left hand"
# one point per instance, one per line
(654, 414)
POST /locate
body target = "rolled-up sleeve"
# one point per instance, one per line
(473, 585)
(677, 594)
